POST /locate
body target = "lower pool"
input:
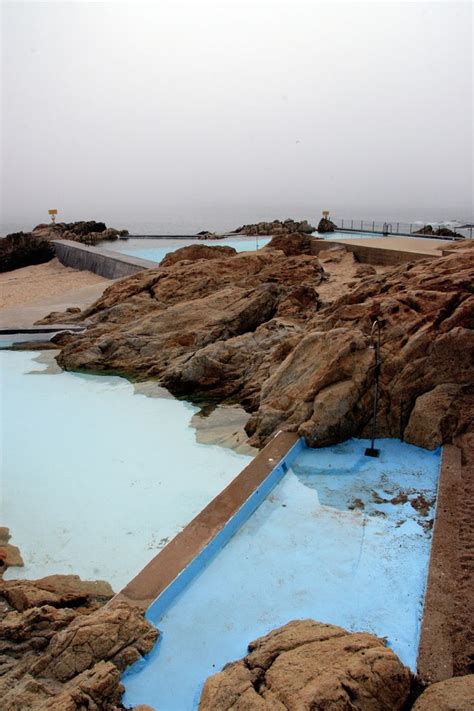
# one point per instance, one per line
(156, 249)
(342, 539)
(93, 481)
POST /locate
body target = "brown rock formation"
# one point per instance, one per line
(61, 649)
(276, 228)
(196, 251)
(455, 694)
(254, 328)
(326, 225)
(308, 665)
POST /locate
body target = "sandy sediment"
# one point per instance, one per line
(31, 293)
(29, 284)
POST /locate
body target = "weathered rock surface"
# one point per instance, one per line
(22, 249)
(253, 328)
(326, 225)
(276, 227)
(62, 649)
(430, 231)
(10, 555)
(455, 694)
(197, 251)
(308, 665)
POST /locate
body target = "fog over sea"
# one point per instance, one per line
(190, 220)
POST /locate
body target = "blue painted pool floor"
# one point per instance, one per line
(343, 539)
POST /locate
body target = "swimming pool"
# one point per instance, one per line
(156, 249)
(92, 480)
(342, 539)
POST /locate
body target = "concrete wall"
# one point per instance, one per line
(373, 255)
(111, 265)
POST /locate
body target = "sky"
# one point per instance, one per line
(209, 110)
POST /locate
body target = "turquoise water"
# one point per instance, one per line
(92, 480)
(338, 540)
(156, 249)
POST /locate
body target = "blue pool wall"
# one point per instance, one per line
(159, 607)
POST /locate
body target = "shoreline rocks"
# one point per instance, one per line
(62, 648)
(276, 227)
(251, 328)
(309, 665)
(23, 249)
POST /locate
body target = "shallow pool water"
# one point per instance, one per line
(96, 478)
(343, 539)
(156, 249)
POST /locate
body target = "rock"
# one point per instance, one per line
(10, 555)
(62, 649)
(455, 694)
(438, 412)
(293, 244)
(22, 250)
(429, 231)
(197, 251)
(335, 255)
(253, 328)
(324, 388)
(364, 270)
(276, 228)
(55, 590)
(326, 225)
(307, 665)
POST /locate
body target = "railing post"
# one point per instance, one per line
(373, 226)
(362, 224)
(352, 224)
(398, 225)
(410, 227)
(342, 224)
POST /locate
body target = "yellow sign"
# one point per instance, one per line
(52, 212)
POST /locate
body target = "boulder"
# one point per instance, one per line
(197, 251)
(276, 227)
(455, 694)
(22, 250)
(307, 665)
(62, 649)
(326, 225)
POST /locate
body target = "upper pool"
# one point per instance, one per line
(343, 539)
(93, 481)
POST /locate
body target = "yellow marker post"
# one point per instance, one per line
(53, 214)
(326, 214)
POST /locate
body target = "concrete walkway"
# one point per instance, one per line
(420, 245)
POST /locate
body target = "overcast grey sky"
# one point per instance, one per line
(138, 110)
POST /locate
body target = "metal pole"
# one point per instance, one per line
(362, 224)
(398, 225)
(375, 344)
(373, 226)
(352, 224)
(342, 224)
(410, 227)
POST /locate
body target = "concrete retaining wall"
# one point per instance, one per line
(374, 255)
(111, 265)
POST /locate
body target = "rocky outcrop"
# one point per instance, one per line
(308, 665)
(22, 250)
(197, 251)
(430, 231)
(326, 225)
(455, 694)
(276, 228)
(62, 649)
(253, 328)
(10, 555)
(90, 232)
(324, 387)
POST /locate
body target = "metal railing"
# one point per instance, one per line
(395, 228)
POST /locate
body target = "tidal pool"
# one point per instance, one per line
(343, 539)
(95, 477)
